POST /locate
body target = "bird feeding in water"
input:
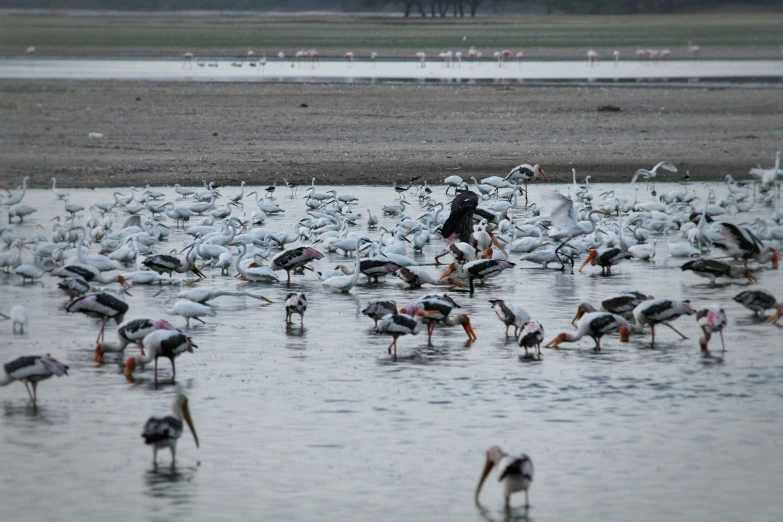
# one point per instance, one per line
(164, 431)
(161, 343)
(515, 473)
(711, 319)
(32, 369)
(295, 303)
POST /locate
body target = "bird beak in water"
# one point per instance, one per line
(749, 275)
(196, 270)
(579, 313)
(484, 474)
(158, 293)
(186, 415)
(456, 282)
(775, 258)
(543, 174)
(448, 271)
(98, 355)
(130, 367)
(593, 255)
(121, 280)
(554, 343)
(469, 329)
(625, 334)
(497, 243)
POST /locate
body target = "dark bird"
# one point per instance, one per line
(163, 431)
(459, 224)
(712, 269)
(757, 301)
(741, 243)
(32, 369)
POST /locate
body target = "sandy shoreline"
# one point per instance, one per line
(165, 133)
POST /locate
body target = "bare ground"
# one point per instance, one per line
(165, 133)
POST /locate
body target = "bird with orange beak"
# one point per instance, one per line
(434, 309)
(606, 259)
(164, 431)
(594, 325)
(524, 173)
(479, 269)
(515, 473)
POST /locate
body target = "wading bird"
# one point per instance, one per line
(594, 325)
(657, 311)
(711, 319)
(32, 369)
(295, 303)
(164, 431)
(515, 473)
(161, 343)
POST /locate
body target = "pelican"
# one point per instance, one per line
(164, 431)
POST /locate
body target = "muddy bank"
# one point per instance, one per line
(165, 133)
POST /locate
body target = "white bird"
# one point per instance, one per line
(345, 283)
(202, 295)
(19, 318)
(32, 369)
(650, 175)
(643, 252)
(185, 308)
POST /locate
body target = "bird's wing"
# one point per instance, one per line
(562, 214)
(460, 220)
(640, 172)
(54, 366)
(666, 166)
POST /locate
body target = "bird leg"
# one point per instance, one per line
(652, 327)
(156, 370)
(557, 253)
(471, 286)
(155, 456)
(27, 387)
(173, 370)
(394, 340)
(35, 392)
(301, 320)
(721, 340)
(199, 320)
(288, 272)
(673, 328)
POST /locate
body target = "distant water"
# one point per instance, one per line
(287, 70)
(320, 423)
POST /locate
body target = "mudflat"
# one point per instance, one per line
(166, 133)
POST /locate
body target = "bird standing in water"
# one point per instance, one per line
(164, 431)
(515, 473)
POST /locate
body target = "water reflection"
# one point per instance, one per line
(173, 483)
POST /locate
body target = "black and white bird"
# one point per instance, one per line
(294, 259)
(515, 473)
(166, 264)
(712, 269)
(163, 431)
(397, 325)
(740, 243)
(711, 319)
(594, 325)
(757, 301)
(524, 173)
(606, 259)
(161, 343)
(377, 309)
(131, 332)
(32, 369)
(74, 286)
(622, 305)
(295, 303)
(531, 336)
(100, 305)
(510, 314)
(650, 175)
(655, 312)
(479, 269)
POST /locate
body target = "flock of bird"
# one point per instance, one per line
(485, 224)
(503, 57)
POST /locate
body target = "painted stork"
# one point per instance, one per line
(461, 252)
(622, 305)
(294, 259)
(524, 173)
(757, 301)
(510, 314)
(515, 473)
(712, 269)
(131, 332)
(594, 325)
(31, 369)
(397, 325)
(89, 274)
(379, 308)
(163, 431)
(166, 264)
(479, 269)
(375, 268)
(74, 286)
(295, 303)
(741, 243)
(161, 343)
(531, 335)
(100, 305)
(657, 311)
(437, 309)
(606, 259)
(711, 319)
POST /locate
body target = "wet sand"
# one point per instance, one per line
(165, 133)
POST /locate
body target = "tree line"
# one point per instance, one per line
(418, 8)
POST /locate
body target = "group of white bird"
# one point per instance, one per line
(222, 233)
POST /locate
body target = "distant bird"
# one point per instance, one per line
(202, 295)
(349, 58)
(188, 59)
(695, 50)
(30, 50)
(616, 55)
(166, 264)
(592, 58)
(594, 325)
(295, 303)
(421, 57)
(515, 473)
(19, 318)
(531, 335)
(711, 319)
(397, 325)
(650, 175)
(31, 369)
(524, 173)
(622, 305)
(164, 431)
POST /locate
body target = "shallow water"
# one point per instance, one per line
(365, 71)
(320, 423)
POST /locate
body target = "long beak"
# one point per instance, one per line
(448, 271)
(158, 293)
(776, 316)
(196, 270)
(456, 282)
(577, 316)
(543, 174)
(497, 243)
(186, 415)
(484, 474)
(592, 256)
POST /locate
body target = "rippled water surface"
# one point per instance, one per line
(320, 423)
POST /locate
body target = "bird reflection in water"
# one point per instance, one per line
(513, 514)
(176, 484)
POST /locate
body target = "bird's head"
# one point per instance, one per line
(494, 455)
(590, 258)
(584, 308)
(555, 343)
